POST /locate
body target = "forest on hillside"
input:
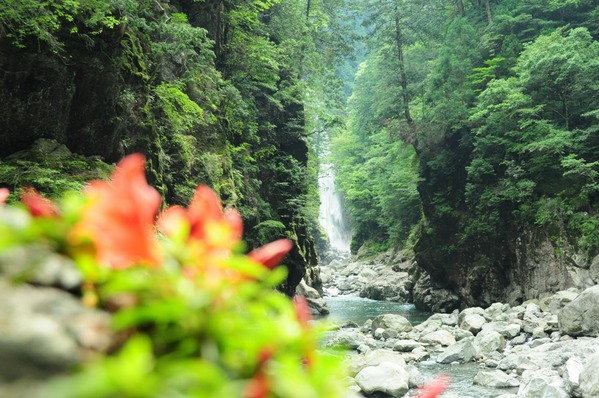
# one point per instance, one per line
(464, 131)
(472, 136)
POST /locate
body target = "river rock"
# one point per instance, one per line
(589, 382)
(559, 300)
(349, 338)
(317, 304)
(487, 341)
(495, 378)
(472, 319)
(40, 266)
(581, 316)
(416, 378)
(507, 330)
(373, 358)
(462, 351)
(429, 326)
(406, 345)
(391, 321)
(571, 375)
(542, 383)
(387, 378)
(351, 269)
(440, 337)
(496, 310)
(44, 331)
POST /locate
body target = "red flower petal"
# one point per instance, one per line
(433, 388)
(233, 217)
(272, 253)
(120, 216)
(302, 310)
(171, 220)
(38, 205)
(205, 205)
(4, 192)
(258, 386)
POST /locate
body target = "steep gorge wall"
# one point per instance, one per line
(97, 98)
(520, 261)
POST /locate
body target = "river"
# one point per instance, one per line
(356, 309)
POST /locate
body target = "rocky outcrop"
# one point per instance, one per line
(581, 316)
(317, 304)
(384, 277)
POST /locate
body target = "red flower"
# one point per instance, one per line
(259, 385)
(272, 253)
(119, 216)
(38, 205)
(433, 388)
(205, 220)
(302, 310)
(4, 192)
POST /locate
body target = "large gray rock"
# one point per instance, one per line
(406, 345)
(431, 298)
(373, 358)
(462, 351)
(542, 383)
(388, 285)
(317, 304)
(40, 266)
(581, 316)
(387, 378)
(440, 337)
(44, 331)
(589, 382)
(472, 319)
(495, 378)
(487, 341)
(559, 300)
(391, 321)
(346, 338)
(507, 330)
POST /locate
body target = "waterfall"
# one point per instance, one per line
(331, 211)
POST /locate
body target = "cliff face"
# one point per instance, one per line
(544, 266)
(155, 85)
(516, 260)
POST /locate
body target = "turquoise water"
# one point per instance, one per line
(358, 310)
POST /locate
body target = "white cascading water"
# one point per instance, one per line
(331, 212)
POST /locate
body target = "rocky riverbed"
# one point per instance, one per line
(546, 348)
(373, 278)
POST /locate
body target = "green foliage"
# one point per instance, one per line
(503, 101)
(182, 113)
(46, 21)
(376, 172)
(267, 231)
(50, 167)
(531, 148)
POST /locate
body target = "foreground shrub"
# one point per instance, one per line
(193, 316)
